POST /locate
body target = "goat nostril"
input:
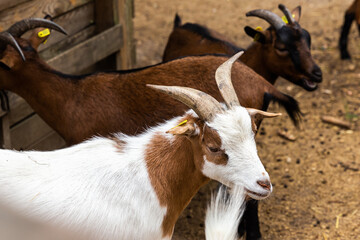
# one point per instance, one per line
(264, 184)
(317, 72)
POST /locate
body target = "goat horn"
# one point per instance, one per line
(287, 13)
(9, 39)
(253, 112)
(23, 26)
(205, 106)
(268, 16)
(223, 80)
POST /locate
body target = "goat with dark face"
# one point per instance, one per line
(282, 50)
(351, 14)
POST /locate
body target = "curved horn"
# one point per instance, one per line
(253, 112)
(268, 16)
(287, 13)
(9, 39)
(223, 80)
(23, 26)
(205, 106)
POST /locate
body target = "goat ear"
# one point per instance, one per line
(296, 13)
(258, 115)
(256, 35)
(4, 66)
(9, 62)
(38, 36)
(177, 21)
(186, 128)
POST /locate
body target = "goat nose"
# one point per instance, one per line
(317, 72)
(265, 184)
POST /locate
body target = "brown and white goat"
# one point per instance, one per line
(135, 187)
(79, 107)
(282, 50)
(351, 14)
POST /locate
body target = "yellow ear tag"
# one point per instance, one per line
(180, 124)
(44, 33)
(257, 36)
(285, 19)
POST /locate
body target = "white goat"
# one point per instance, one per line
(135, 187)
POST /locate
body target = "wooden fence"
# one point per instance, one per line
(100, 37)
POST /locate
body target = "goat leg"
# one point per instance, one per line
(250, 222)
(349, 18)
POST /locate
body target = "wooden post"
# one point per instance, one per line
(107, 14)
(5, 139)
(124, 16)
(104, 19)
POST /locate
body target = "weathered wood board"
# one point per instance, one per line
(92, 36)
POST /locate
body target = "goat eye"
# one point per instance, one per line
(282, 52)
(281, 49)
(214, 149)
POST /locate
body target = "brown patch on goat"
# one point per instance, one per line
(355, 9)
(174, 171)
(254, 126)
(186, 43)
(118, 143)
(212, 141)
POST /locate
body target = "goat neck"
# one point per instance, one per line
(253, 57)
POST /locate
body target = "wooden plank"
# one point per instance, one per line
(67, 43)
(5, 138)
(104, 15)
(89, 52)
(73, 22)
(5, 4)
(104, 19)
(37, 8)
(125, 12)
(49, 142)
(19, 109)
(28, 131)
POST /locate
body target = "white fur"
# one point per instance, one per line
(224, 213)
(244, 167)
(90, 187)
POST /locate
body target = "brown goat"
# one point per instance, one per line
(351, 14)
(282, 50)
(78, 107)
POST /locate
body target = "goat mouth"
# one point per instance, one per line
(309, 85)
(256, 195)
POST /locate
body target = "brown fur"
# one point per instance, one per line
(186, 43)
(212, 139)
(261, 57)
(355, 9)
(104, 103)
(175, 168)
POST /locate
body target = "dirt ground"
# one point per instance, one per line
(316, 178)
